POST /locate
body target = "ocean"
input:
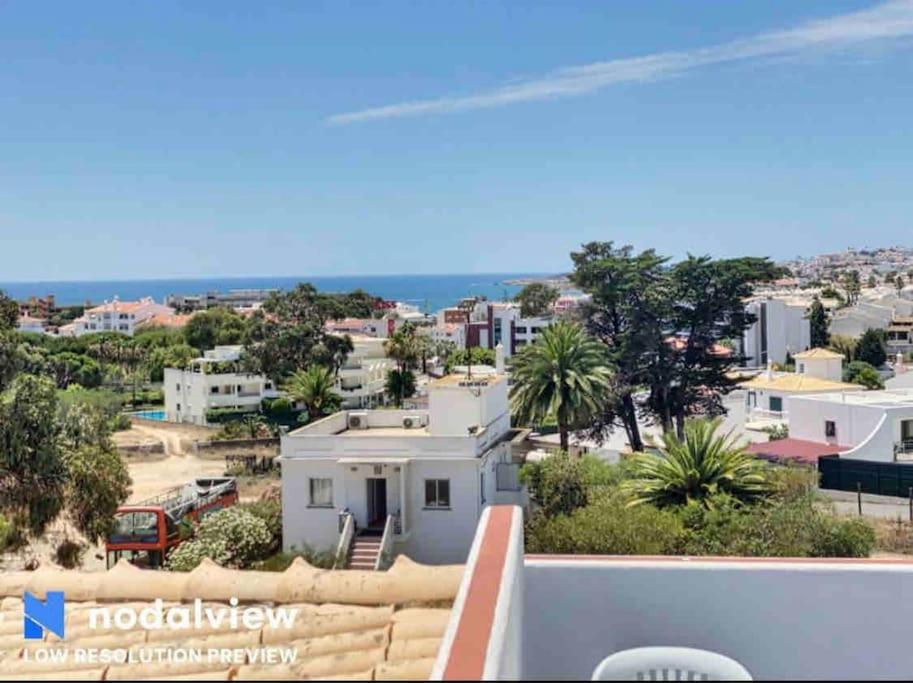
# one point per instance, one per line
(429, 292)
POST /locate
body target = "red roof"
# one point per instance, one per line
(798, 450)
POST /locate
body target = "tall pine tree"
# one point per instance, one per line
(817, 323)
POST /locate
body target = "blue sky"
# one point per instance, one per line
(167, 139)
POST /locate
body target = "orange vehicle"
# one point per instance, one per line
(146, 532)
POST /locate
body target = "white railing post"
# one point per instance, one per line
(386, 544)
(345, 540)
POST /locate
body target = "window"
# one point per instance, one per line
(437, 493)
(830, 429)
(776, 404)
(321, 492)
(482, 486)
(177, 386)
(521, 329)
(213, 390)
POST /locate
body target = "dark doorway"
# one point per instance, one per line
(377, 502)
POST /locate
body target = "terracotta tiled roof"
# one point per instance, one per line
(799, 450)
(347, 624)
(175, 320)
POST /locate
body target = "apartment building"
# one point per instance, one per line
(361, 380)
(780, 329)
(213, 381)
(115, 316)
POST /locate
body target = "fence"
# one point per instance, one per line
(880, 478)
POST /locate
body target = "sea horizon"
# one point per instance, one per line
(430, 292)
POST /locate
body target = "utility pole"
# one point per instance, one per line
(467, 306)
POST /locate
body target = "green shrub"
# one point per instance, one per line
(150, 397)
(556, 484)
(853, 537)
(270, 511)
(606, 527)
(120, 422)
(69, 554)
(232, 537)
(793, 527)
(223, 415)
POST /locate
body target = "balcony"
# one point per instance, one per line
(557, 617)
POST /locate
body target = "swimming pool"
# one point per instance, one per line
(157, 415)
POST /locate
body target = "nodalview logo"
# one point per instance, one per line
(42, 615)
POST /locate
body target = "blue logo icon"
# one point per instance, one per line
(43, 614)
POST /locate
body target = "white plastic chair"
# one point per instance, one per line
(669, 664)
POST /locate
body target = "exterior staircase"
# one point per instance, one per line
(364, 553)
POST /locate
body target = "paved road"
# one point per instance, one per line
(881, 507)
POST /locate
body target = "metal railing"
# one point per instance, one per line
(346, 534)
(385, 553)
(903, 450)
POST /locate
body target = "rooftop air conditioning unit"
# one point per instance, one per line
(412, 422)
(358, 420)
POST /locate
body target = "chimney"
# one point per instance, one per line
(499, 359)
(770, 369)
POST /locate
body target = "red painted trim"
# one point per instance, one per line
(671, 559)
(466, 660)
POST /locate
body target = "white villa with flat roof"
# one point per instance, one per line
(206, 385)
(872, 425)
(419, 477)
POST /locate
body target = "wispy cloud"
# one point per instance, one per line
(888, 21)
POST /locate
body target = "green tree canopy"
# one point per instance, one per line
(628, 298)
(213, 327)
(860, 372)
(9, 312)
(688, 376)
(871, 348)
(536, 299)
(817, 323)
(32, 471)
(287, 334)
(400, 385)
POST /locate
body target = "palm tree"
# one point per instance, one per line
(695, 468)
(403, 347)
(563, 375)
(314, 388)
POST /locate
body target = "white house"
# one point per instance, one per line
(817, 371)
(360, 382)
(426, 475)
(213, 381)
(873, 425)
(780, 328)
(115, 316)
(27, 323)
